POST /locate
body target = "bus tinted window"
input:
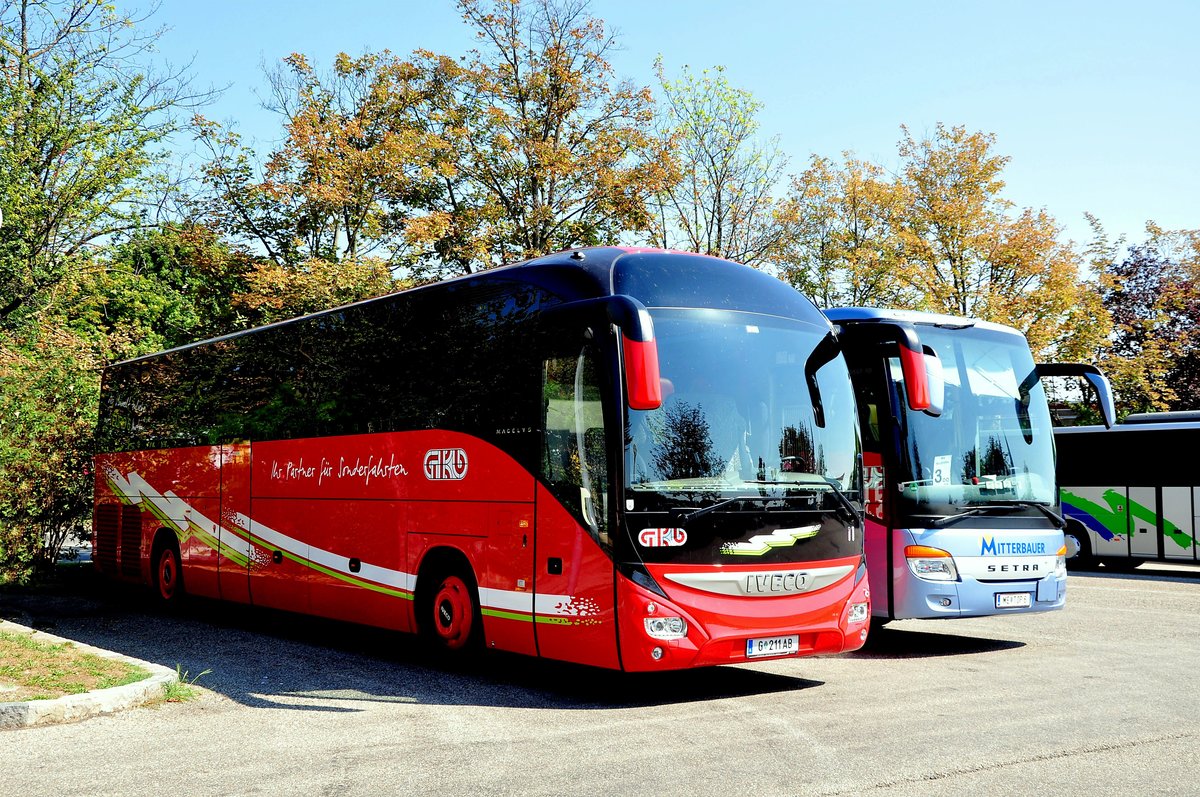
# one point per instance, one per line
(360, 369)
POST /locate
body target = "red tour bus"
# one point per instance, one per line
(624, 458)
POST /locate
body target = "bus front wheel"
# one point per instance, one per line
(450, 615)
(1078, 539)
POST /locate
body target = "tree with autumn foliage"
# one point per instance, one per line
(843, 246)
(437, 166)
(1151, 291)
(551, 151)
(721, 200)
(328, 209)
(940, 236)
(968, 254)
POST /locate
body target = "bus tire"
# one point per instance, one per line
(167, 569)
(448, 613)
(1084, 559)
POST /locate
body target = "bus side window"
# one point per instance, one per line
(574, 455)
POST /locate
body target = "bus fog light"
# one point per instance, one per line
(666, 627)
(859, 612)
(931, 564)
(656, 654)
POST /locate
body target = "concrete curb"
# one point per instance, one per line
(73, 708)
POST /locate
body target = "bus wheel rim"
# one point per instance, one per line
(453, 612)
(167, 574)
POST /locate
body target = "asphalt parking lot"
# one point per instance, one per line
(1098, 698)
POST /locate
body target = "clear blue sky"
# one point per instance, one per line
(1097, 103)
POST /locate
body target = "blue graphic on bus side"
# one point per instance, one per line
(1071, 507)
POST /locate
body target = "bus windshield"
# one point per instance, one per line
(753, 405)
(992, 444)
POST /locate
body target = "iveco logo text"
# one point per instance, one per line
(662, 538)
(445, 464)
(775, 583)
(989, 546)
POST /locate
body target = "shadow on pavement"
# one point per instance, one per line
(268, 659)
(899, 643)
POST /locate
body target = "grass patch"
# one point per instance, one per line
(183, 688)
(34, 670)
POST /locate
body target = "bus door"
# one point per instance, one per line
(233, 545)
(574, 604)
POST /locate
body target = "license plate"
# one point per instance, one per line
(773, 646)
(1013, 600)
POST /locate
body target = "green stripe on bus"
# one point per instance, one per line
(505, 615)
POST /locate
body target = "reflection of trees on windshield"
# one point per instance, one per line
(996, 461)
(683, 443)
(798, 453)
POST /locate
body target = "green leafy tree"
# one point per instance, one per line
(721, 200)
(80, 121)
(48, 400)
(164, 287)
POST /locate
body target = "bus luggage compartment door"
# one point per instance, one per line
(1178, 520)
(1143, 522)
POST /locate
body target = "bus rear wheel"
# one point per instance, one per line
(168, 573)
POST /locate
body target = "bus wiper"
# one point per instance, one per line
(1001, 507)
(1054, 517)
(695, 513)
(945, 521)
(844, 502)
(852, 514)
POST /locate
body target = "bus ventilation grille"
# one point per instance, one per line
(131, 541)
(104, 546)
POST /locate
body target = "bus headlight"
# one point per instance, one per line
(666, 627)
(931, 564)
(1060, 564)
(859, 613)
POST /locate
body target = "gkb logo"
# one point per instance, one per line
(445, 464)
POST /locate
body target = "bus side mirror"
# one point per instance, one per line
(936, 378)
(912, 355)
(643, 381)
(1095, 378)
(643, 384)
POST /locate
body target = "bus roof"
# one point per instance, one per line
(841, 314)
(1179, 416)
(654, 276)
